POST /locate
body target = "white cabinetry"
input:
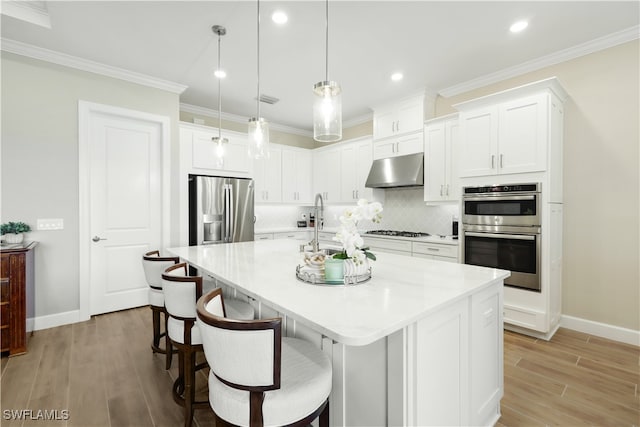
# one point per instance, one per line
(296, 175)
(295, 235)
(440, 147)
(268, 177)
(263, 236)
(355, 162)
(506, 137)
(198, 154)
(404, 116)
(326, 173)
(399, 146)
(394, 246)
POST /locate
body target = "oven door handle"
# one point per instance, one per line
(497, 198)
(501, 236)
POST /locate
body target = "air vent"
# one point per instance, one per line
(268, 99)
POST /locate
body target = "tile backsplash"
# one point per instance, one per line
(404, 210)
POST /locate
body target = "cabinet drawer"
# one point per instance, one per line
(4, 290)
(4, 339)
(4, 315)
(435, 249)
(263, 236)
(388, 244)
(298, 235)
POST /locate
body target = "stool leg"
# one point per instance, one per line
(167, 342)
(324, 416)
(156, 329)
(189, 387)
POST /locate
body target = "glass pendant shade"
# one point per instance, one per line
(219, 150)
(327, 112)
(258, 138)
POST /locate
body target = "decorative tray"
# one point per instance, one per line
(316, 277)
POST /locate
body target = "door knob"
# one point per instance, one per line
(97, 239)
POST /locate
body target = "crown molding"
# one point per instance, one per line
(34, 12)
(194, 109)
(24, 49)
(592, 46)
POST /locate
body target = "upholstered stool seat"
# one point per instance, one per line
(305, 383)
(257, 378)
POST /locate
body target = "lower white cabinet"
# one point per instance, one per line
(295, 235)
(263, 236)
(400, 247)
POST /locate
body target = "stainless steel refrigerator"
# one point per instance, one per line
(220, 210)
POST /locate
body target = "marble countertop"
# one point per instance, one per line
(401, 291)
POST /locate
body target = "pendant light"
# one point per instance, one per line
(258, 127)
(219, 141)
(327, 105)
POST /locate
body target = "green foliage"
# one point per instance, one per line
(14, 227)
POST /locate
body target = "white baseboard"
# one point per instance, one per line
(603, 330)
(53, 320)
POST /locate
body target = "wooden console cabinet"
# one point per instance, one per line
(16, 296)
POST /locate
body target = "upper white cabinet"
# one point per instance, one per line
(404, 116)
(326, 173)
(199, 155)
(507, 133)
(297, 168)
(440, 148)
(355, 162)
(268, 177)
(399, 146)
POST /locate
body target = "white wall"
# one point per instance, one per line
(40, 160)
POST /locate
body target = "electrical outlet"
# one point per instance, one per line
(50, 224)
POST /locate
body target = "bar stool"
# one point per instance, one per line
(181, 293)
(256, 376)
(154, 265)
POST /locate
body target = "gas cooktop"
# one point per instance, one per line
(397, 233)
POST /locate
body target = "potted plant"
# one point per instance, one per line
(12, 231)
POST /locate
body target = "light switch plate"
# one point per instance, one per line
(50, 224)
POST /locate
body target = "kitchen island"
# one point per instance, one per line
(418, 344)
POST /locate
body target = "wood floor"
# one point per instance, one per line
(103, 373)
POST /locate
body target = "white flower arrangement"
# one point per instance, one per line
(348, 235)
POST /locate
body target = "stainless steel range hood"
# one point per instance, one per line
(401, 171)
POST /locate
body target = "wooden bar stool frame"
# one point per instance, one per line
(157, 313)
(256, 393)
(183, 389)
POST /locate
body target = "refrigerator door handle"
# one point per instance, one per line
(226, 213)
(230, 214)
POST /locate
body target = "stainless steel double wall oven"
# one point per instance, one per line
(501, 227)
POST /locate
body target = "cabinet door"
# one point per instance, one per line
(410, 144)
(205, 153)
(268, 178)
(235, 155)
(384, 149)
(452, 185)
(410, 115)
(289, 176)
(348, 168)
(384, 123)
(326, 175)
(478, 142)
(364, 159)
(435, 160)
(523, 135)
(304, 169)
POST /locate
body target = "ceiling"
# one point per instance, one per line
(438, 46)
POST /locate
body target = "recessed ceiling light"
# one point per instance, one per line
(279, 17)
(221, 74)
(396, 77)
(518, 26)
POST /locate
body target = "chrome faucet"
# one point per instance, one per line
(319, 220)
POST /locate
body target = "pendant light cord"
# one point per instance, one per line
(326, 50)
(258, 44)
(219, 95)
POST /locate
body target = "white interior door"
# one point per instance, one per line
(124, 206)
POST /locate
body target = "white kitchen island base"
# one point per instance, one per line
(420, 344)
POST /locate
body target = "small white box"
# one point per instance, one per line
(50, 224)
